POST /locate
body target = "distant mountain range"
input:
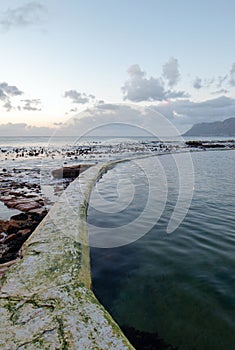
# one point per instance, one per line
(225, 128)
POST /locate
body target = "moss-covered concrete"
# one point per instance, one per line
(45, 300)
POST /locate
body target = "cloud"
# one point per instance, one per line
(185, 113)
(6, 93)
(74, 110)
(24, 129)
(197, 84)
(31, 105)
(138, 88)
(108, 106)
(120, 119)
(78, 97)
(219, 92)
(29, 14)
(221, 80)
(8, 106)
(171, 71)
(176, 94)
(232, 75)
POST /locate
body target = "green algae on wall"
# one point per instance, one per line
(45, 300)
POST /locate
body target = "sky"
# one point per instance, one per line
(61, 58)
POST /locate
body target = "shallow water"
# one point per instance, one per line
(180, 285)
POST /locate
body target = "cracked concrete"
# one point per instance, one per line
(45, 299)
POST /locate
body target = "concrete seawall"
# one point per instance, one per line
(45, 300)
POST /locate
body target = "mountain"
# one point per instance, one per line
(225, 128)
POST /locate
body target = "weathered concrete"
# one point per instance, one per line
(46, 301)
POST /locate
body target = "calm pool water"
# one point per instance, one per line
(179, 285)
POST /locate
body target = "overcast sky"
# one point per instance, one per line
(59, 58)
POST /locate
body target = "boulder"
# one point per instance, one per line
(70, 172)
(27, 206)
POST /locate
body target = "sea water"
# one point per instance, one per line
(179, 285)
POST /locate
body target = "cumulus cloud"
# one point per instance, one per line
(171, 71)
(78, 97)
(29, 14)
(139, 88)
(31, 105)
(6, 93)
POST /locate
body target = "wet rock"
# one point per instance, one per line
(30, 195)
(38, 213)
(3, 225)
(25, 207)
(70, 172)
(9, 238)
(2, 236)
(20, 217)
(13, 227)
(24, 232)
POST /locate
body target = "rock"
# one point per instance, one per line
(6, 198)
(24, 232)
(13, 227)
(70, 172)
(2, 236)
(25, 207)
(11, 203)
(37, 213)
(30, 195)
(9, 238)
(20, 217)
(4, 225)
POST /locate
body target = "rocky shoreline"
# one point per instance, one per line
(31, 206)
(20, 193)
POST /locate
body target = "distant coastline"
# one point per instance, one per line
(224, 128)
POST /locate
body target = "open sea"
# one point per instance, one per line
(179, 286)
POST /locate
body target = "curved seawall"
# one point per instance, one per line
(45, 300)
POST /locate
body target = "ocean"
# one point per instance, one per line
(177, 286)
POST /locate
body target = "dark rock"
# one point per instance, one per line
(24, 232)
(194, 143)
(37, 214)
(70, 172)
(9, 238)
(13, 227)
(20, 217)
